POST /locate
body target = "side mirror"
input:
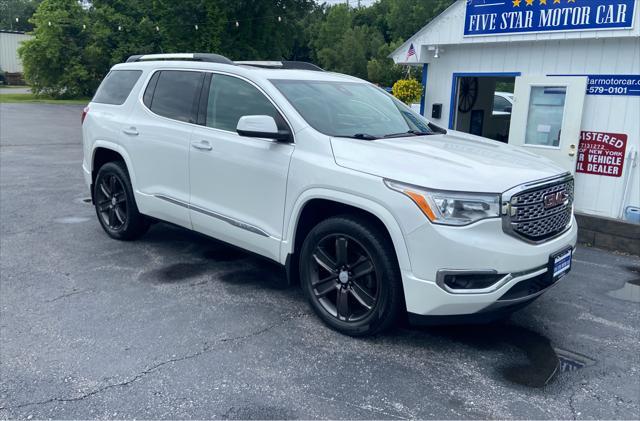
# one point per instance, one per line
(261, 126)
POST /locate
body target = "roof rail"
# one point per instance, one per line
(206, 57)
(298, 65)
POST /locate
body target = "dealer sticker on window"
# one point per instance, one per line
(561, 263)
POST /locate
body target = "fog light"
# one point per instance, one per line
(471, 280)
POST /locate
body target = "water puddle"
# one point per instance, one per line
(532, 361)
(630, 291)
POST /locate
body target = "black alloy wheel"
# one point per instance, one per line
(344, 278)
(349, 273)
(111, 202)
(115, 203)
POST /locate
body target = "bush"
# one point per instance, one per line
(408, 91)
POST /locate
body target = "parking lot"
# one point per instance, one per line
(176, 325)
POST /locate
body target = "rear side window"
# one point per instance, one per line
(116, 86)
(174, 94)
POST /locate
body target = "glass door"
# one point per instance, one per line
(547, 117)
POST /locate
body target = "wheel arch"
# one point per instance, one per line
(314, 206)
(104, 152)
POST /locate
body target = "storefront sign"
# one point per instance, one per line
(601, 153)
(614, 85)
(618, 85)
(496, 17)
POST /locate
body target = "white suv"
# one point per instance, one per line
(373, 209)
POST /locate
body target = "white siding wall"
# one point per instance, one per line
(616, 114)
(9, 43)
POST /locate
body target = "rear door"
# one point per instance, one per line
(159, 132)
(547, 117)
(238, 184)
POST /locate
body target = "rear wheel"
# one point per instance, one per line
(115, 204)
(349, 273)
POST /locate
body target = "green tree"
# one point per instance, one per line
(339, 46)
(54, 61)
(266, 30)
(117, 30)
(15, 14)
(381, 69)
(177, 21)
(405, 17)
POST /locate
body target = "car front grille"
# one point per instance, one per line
(541, 212)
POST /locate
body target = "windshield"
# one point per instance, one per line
(352, 109)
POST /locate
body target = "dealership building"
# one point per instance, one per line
(558, 77)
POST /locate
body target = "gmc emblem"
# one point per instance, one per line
(552, 200)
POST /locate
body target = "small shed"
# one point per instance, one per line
(9, 43)
(558, 77)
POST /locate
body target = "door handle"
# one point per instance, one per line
(131, 131)
(203, 145)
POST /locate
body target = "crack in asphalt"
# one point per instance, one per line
(69, 294)
(207, 348)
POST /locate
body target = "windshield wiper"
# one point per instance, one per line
(409, 132)
(363, 136)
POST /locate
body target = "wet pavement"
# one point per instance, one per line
(176, 325)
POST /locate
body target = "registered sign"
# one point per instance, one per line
(601, 153)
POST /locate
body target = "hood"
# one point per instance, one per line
(452, 161)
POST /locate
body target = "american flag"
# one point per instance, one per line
(411, 52)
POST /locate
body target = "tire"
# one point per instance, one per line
(350, 275)
(115, 203)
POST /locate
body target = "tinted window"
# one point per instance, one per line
(350, 108)
(151, 87)
(231, 98)
(501, 104)
(176, 94)
(116, 86)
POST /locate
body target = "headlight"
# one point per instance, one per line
(450, 207)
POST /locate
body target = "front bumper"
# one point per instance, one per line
(479, 247)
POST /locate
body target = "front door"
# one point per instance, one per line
(547, 117)
(238, 184)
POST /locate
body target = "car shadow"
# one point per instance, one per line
(201, 254)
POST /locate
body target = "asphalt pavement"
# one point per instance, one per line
(176, 325)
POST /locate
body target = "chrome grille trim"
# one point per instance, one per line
(525, 217)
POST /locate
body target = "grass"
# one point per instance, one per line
(14, 86)
(32, 99)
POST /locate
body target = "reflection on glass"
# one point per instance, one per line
(546, 110)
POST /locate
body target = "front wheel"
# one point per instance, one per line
(115, 204)
(349, 272)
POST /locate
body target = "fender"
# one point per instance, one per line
(365, 204)
(116, 148)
